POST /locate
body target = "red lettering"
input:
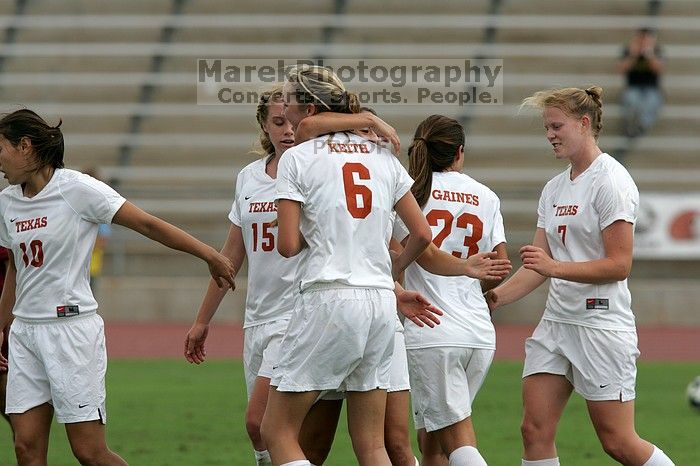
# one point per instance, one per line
(33, 224)
(565, 210)
(451, 196)
(348, 148)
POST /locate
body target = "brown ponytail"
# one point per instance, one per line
(434, 148)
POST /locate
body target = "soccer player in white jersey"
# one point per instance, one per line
(316, 445)
(335, 196)
(586, 341)
(271, 286)
(448, 364)
(57, 355)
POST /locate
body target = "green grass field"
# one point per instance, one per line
(171, 413)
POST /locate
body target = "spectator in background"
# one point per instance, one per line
(642, 65)
(104, 231)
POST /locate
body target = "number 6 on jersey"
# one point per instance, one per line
(358, 197)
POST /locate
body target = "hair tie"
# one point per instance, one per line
(590, 93)
(421, 139)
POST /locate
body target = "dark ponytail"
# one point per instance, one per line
(47, 141)
(434, 148)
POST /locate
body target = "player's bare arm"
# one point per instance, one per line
(152, 227)
(420, 235)
(522, 283)
(482, 266)
(195, 351)
(290, 240)
(415, 307)
(7, 302)
(328, 122)
(615, 266)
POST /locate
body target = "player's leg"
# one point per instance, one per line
(282, 423)
(614, 424)
(546, 390)
(368, 381)
(458, 440)
(89, 445)
(312, 359)
(606, 379)
(32, 435)
(257, 402)
(318, 429)
(261, 353)
(544, 399)
(396, 439)
(3, 375)
(76, 355)
(366, 426)
(27, 396)
(431, 451)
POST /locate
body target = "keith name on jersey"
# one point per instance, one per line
(348, 148)
(33, 224)
(565, 210)
(256, 207)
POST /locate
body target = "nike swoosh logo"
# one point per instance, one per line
(81, 406)
(12, 220)
(603, 386)
(247, 197)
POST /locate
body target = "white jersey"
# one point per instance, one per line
(51, 236)
(465, 217)
(271, 277)
(348, 188)
(573, 215)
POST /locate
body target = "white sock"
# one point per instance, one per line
(417, 463)
(262, 458)
(547, 462)
(466, 456)
(297, 463)
(658, 458)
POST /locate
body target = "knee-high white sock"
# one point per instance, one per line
(262, 458)
(298, 463)
(467, 456)
(658, 458)
(417, 463)
(547, 462)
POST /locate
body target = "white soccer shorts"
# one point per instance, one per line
(338, 339)
(600, 364)
(261, 346)
(62, 362)
(444, 382)
(398, 378)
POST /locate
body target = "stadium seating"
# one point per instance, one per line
(122, 75)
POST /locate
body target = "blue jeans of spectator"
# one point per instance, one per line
(640, 109)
